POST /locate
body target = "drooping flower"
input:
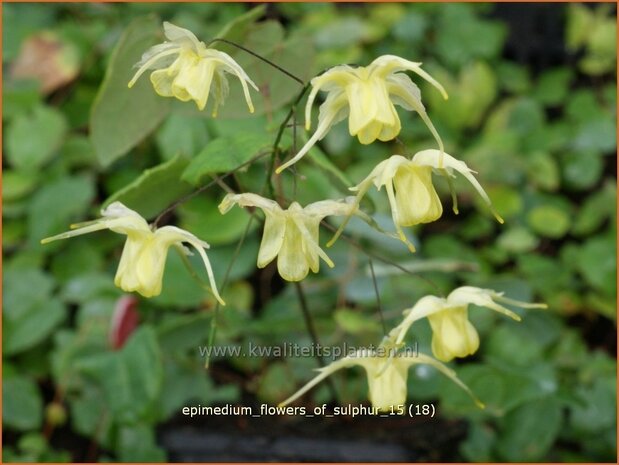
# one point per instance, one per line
(387, 376)
(367, 95)
(291, 235)
(184, 68)
(412, 196)
(453, 335)
(144, 255)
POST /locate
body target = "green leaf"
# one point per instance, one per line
(294, 54)
(479, 443)
(355, 322)
(580, 22)
(513, 77)
(276, 383)
(121, 117)
(225, 154)
(507, 200)
(513, 345)
(321, 160)
(24, 289)
(179, 288)
(83, 257)
(136, 443)
(596, 135)
(464, 36)
(500, 389)
(87, 412)
(552, 86)
(184, 383)
(596, 410)
(517, 240)
(237, 29)
(598, 263)
(549, 221)
(20, 96)
(155, 189)
(32, 140)
(530, 430)
(182, 332)
(581, 170)
(32, 327)
(201, 217)
(55, 204)
(599, 206)
(22, 405)
(544, 273)
(132, 378)
(543, 171)
(181, 135)
(88, 285)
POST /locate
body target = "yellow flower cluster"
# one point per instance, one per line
(185, 68)
(453, 335)
(143, 258)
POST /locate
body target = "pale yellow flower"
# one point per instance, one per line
(186, 69)
(367, 95)
(412, 196)
(453, 335)
(387, 376)
(144, 255)
(291, 235)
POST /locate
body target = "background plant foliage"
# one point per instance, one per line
(541, 136)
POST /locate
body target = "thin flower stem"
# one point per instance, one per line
(378, 305)
(237, 251)
(207, 186)
(380, 258)
(260, 57)
(311, 329)
(278, 137)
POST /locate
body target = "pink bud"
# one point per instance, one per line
(124, 321)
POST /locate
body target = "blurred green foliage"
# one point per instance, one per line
(542, 140)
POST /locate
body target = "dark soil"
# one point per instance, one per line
(318, 439)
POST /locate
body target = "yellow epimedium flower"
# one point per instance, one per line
(183, 67)
(412, 196)
(291, 235)
(387, 376)
(367, 95)
(144, 255)
(453, 335)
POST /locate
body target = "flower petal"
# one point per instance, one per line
(226, 63)
(396, 217)
(248, 200)
(387, 64)
(181, 36)
(485, 298)
(324, 208)
(416, 198)
(333, 110)
(291, 261)
(154, 57)
(194, 80)
(332, 81)
(424, 307)
(405, 93)
(440, 160)
(426, 360)
(345, 362)
(116, 217)
(272, 238)
(453, 335)
(169, 235)
(310, 239)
